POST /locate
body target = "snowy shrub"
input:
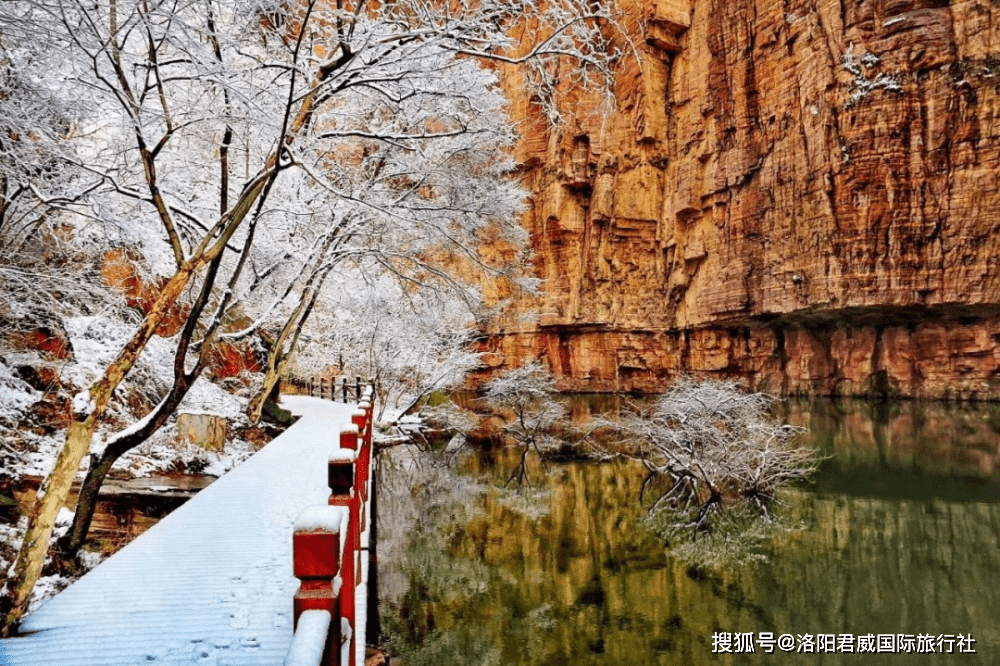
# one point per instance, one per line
(96, 340)
(709, 447)
(525, 396)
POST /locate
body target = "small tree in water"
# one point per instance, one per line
(527, 392)
(711, 447)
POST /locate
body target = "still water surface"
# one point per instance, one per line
(899, 533)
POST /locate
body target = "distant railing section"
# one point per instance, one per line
(323, 387)
(333, 554)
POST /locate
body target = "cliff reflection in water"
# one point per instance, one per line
(901, 534)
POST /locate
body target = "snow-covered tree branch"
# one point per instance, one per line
(246, 148)
(712, 446)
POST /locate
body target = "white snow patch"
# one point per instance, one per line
(208, 398)
(64, 520)
(862, 84)
(89, 559)
(16, 395)
(456, 443)
(322, 517)
(37, 454)
(11, 536)
(310, 639)
(235, 454)
(96, 340)
(345, 642)
(343, 455)
(82, 404)
(361, 612)
(46, 588)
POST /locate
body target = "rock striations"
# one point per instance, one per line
(804, 193)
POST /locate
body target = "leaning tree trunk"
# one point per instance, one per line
(277, 359)
(55, 490)
(41, 521)
(255, 409)
(100, 464)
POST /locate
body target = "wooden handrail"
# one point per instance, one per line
(328, 545)
(309, 642)
(321, 387)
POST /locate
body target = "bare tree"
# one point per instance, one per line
(205, 124)
(34, 124)
(525, 396)
(409, 340)
(714, 447)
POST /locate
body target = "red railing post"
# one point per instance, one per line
(360, 419)
(366, 406)
(328, 549)
(316, 555)
(342, 474)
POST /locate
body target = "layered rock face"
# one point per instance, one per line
(805, 194)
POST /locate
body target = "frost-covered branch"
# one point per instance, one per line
(221, 137)
(715, 447)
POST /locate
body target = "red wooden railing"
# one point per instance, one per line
(332, 553)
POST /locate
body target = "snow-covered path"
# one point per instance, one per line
(211, 583)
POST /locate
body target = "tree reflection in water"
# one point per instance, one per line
(900, 534)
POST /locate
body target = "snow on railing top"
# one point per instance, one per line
(343, 455)
(209, 582)
(323, 517)
(310, 636)
(328, 550)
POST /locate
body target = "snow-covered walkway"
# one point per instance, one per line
(211, 583)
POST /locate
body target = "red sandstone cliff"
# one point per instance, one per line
(803, 193)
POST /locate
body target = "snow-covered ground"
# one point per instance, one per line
(212, 582)
(95, 341)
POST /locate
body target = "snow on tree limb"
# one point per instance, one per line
(218, 138)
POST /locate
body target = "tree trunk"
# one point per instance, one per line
(31, 558)
(277, 360)
(85, 506)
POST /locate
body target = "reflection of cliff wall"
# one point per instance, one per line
(927, 438)
(606, 597)
(801, 193)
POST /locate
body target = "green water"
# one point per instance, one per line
(900, 533)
